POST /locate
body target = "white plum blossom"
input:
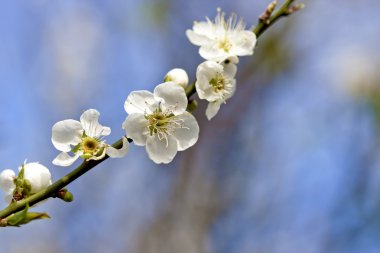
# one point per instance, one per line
(159, 121)
(84, 139)
(216, 83)
(223, 38)
(177, 76)
(37, 175)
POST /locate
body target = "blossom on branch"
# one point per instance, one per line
(160, 122)
(83, 139)
(177, 76)
(32, 178)
(223, 38)
(216, 83)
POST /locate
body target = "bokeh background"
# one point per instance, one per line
(290, 164)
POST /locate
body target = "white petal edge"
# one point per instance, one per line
(64, 159)
(244, 43)
(187, 136)
(6, 180)
(196, 38)
(65, 133)
(172, 97)
(90, 123)
(141, 101)
(205, 90)
(161, 151)
(136, 127)
(212, 109)
(212, 52)
(208, 69)
(118, 153)
(232, 91)
(8, 197)
(229, 66)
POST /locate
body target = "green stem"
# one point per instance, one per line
(281, 12)
(86, 166)
(190, 89)
(54, 188)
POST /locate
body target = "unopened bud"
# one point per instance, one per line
(177, 76)
(65, 195)
(295, 8)
(268, 12)
(68, 197)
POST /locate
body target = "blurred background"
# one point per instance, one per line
(290, 163)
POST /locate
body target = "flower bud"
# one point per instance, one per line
(65, 195)
(177, 76)
(38, 176)
(33, 177)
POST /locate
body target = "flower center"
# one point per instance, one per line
(89, 145)
(218, 82)
(225, 44)
(163, 123)
(222, 85)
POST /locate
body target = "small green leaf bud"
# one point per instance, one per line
(193, 104)
(65, 195)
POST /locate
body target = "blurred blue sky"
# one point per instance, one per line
(289, 165)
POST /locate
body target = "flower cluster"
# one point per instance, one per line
(221, 42)
(160, 121)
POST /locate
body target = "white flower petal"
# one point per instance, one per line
(205, 90)
(38, 176)
(201, 33)
(201, 85)
(6, 180)
(65, 133)
(140, 102)
(8, 197)
(244, 43)
(64, 159)
(212, 52)
(172, 97)
(161, 151)
(91, 126)
(187, 136)
(209, 69)
(229, 66)
(212, 109)
(233, 59)
(118, 153)
(232, 89)
(136, 127)
(205, 28)
(195, 38)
